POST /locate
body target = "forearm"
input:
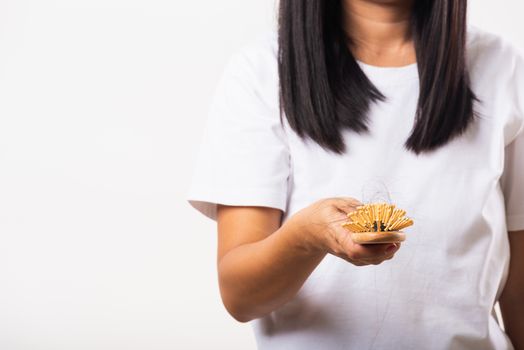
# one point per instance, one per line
(512, 309)
(257, 278)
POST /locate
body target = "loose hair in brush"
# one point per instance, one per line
(323, 89)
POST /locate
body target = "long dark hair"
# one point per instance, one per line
(323, 89)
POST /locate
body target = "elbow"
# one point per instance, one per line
(239, 300)
(236, 303)
(239, 312)
(239, 316)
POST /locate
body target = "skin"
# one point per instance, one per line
(512, 299)
(380, 31)
(262, 264)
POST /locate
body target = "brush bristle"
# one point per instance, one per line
(377, 217)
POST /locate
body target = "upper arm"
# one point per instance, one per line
(514, 287)
(244, 158)
(238, 225)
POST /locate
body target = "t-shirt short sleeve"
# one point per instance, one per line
(512, 180)
(513, 184)
(244, 156)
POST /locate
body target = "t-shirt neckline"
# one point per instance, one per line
(390, 75)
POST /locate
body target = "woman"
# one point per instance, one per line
(397, 92)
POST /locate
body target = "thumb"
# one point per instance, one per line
(347, 204)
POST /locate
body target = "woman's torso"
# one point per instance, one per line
(439, 290)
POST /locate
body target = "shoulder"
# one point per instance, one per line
(489, 52)
(258, 55)
(496, 69)
(254, 67)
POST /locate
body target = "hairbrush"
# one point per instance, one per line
(377, 223)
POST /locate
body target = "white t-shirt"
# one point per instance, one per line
(439, 290)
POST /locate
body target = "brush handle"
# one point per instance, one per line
(378, 237)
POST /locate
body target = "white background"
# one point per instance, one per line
(102, 104)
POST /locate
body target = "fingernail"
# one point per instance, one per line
(391, 248)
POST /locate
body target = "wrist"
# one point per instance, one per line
(302, 237)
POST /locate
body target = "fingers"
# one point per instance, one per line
(380, 259)
(371, 254)
(364, 262)
(352, 261)
(371, 251)
(346, 204)
(350, 200)
(391, 253)
(339, 243)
